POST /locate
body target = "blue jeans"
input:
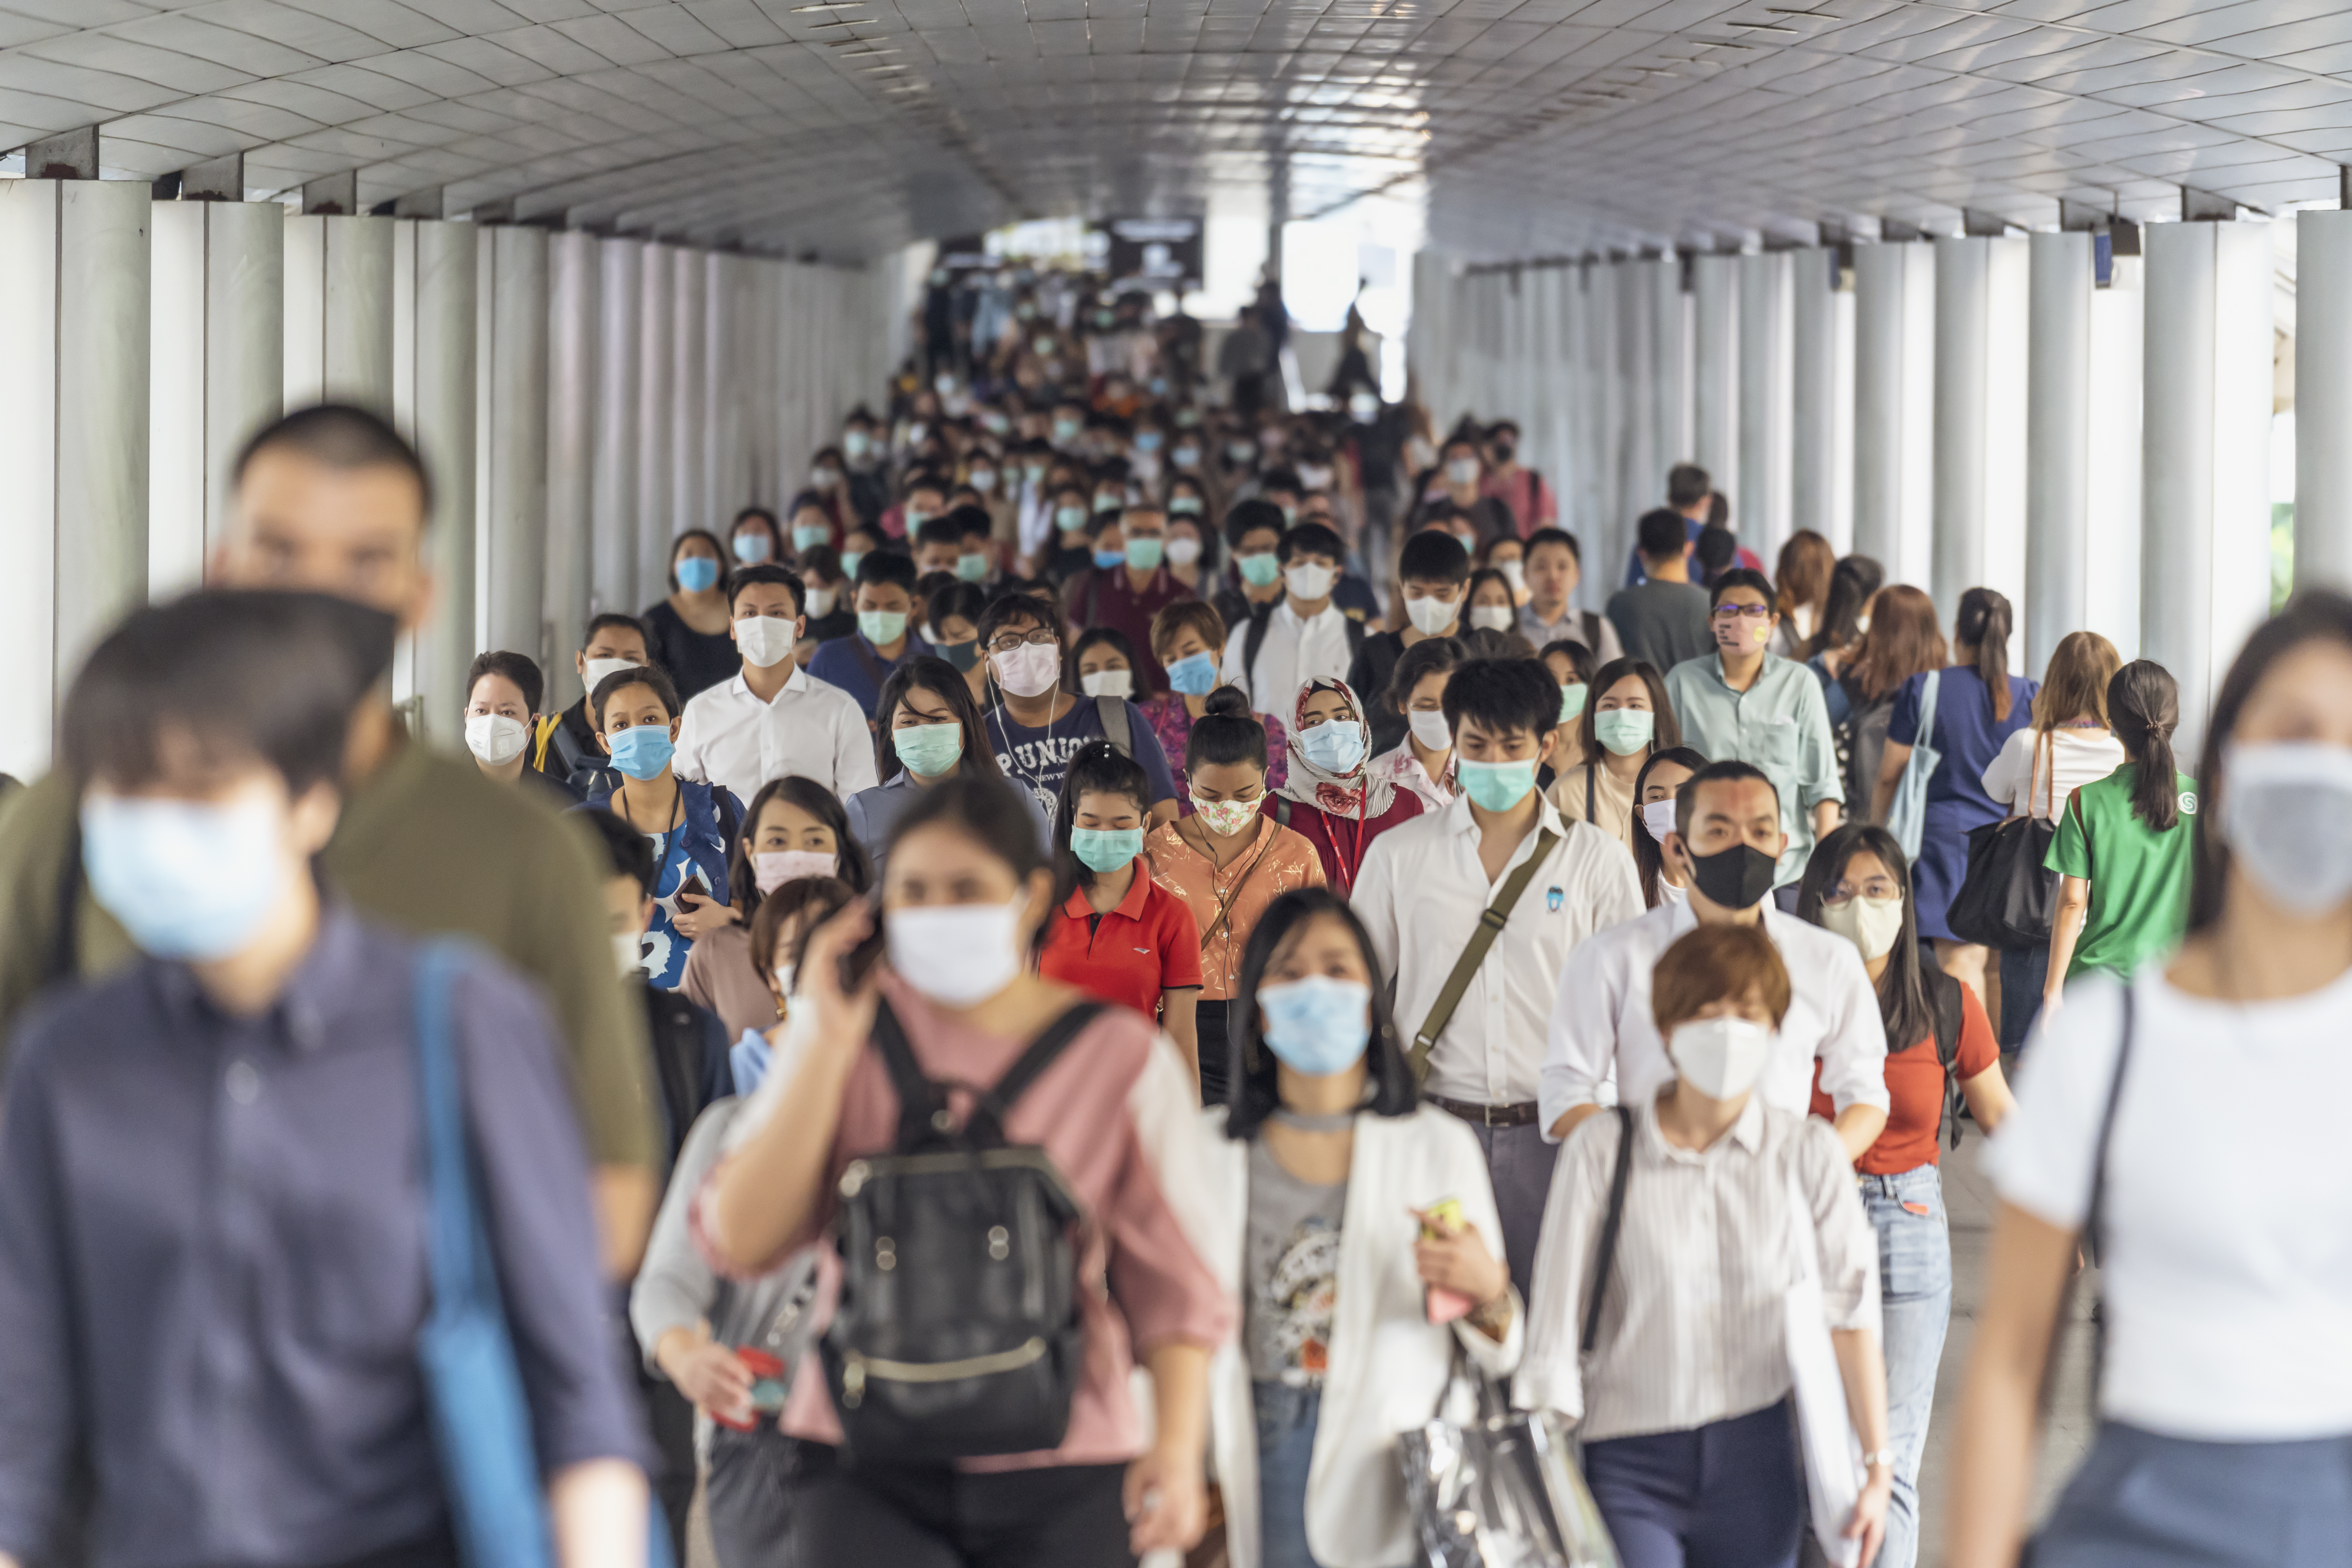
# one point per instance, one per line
(1285, 1446)
(2023, 972)
(1730, 1494)
(2141, 1500)
(1914, 1275)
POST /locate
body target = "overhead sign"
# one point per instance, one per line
(1156, 253)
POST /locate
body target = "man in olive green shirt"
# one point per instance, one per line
(333, 500)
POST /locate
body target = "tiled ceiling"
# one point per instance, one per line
(1532, 127)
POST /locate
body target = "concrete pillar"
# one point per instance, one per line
(339, 312)
(1979, 423)
(510, 425)
(613, 499)
(217, 345)
(1894, 391)
(723, 484)
(2205, 548)
(73, 437)
(433, 401)
(1638, 461)
(2114, 528)
(1812, 391)
(1714, 356)
(2057, 445)
(656, 423)
(1672, 382)
(690, 503)
(2322, 400)
(574, 266)
(1759, 502)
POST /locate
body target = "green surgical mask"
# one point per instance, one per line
(930, 751)
(1571, 701)
(1105, 848)
(882, 628)
(1625, 731)
(1260, 571)
(1496, 786)
(849, 560)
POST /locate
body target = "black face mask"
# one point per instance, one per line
(1738, 878)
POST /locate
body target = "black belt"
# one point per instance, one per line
(1523, 1114)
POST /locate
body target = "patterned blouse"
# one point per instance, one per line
(1172, 722)
(1226, 903)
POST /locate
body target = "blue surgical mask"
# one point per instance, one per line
(1337, 745)
(1107, 559)
(930, 751)
(1194, 675)
(752, 549)
(1496, 786)
(808, 536)
(188, 879)
(1145, 552)
(1148, 440)
(644, 751)
(1317, 1025)
(697, 573)
(1105, 848)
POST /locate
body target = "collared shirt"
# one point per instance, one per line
(1571, 626)
(1144, 944)
(1420, 893)
(1098, 598)
(874, 813)
(1295, 651)
(213, 1264)
(1226, 903)
(1403, 769)
(1601, 1025)
(811, 728)
(1693, 1314)
(1780, 724)
(856, 666)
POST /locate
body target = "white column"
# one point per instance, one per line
(2113, 527)
(2205, 551)
(1715, 385)
(657, 422)
(1670, 342)
(512, 425)
(1895, 293)
(1979, 422)
(217, 352)
(2057, 445)
(435, 402)
(1639, 461)
(73, 436)
(690, 495)
(726, 480)
(1759, 502)
(612, 501)
(573, 268)
(339, 312)
(2322, 400)
(1812, 389)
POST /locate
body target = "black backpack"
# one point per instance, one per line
(957, 1332)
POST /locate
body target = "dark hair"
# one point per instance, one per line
(2143, 708)
(1225, 734)
(1429, 656)
(1503, 695)
(704, 534)
(886, 568)
(818, 897)
(970, 522)
(1852, 583)
(1903, 1003)
(1740, 577)
(1110, 638)
(1006, 609)
(1101, 523)
(1555, 536)
(1097, 768)
(822, 562)
(1719, 510)
(1717, 549)
(1803, 571)
(995, 816)
(1280, 477)
(1252, 1095)
(766, 572)
(614, 621)
(649, 675)
(1578, 657)
(626, 850)
(765, 518)
(1432, 557)
(1687, 484)
(1982, 622)
(1485, 642)
(1660, 534)
(1649, 855)
(1729, 770)
(513, 666)
(1248, 516)
(928, 672)
(963, 600)
(1665, 734)
(1311, 539)
(1904, 640)
(941, 530)
(341, 437)
(819, 802)
(257, 673)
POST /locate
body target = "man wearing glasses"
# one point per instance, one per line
(1035, 721)
(1740, 703)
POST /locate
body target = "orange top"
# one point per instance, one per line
(1915, 1083)
(1278, 860)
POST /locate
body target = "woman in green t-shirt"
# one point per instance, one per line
(2123, 846)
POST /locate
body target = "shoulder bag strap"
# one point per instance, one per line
(1112, 710)
(2094, 1221)
(65, 940)
(1281, 811)
(1927, 695)
(920, 1101)
(1589, 769)
(2049, 784)
(1474, 953)
(1042, 1052)
(1591, 621)
(1604, 1257)
(1951, 1016)
(1225, 902)
(454, 1243)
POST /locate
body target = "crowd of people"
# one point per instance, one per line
(1128, 921)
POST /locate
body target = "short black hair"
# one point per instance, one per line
(1717, 549)
(1226, 732)
(1542, 536)
(971, 522)
(1432, 556)
(1422, 660)
(924, 479)
(1252, 1095)
(956, 597)
(615, 621)
(1687, 484)
(1312, 539)
(1740, 577)
(1008, 607)
(1110, 638)
(1101, 523)
(646, 675)
(1247, 517)
(941, 530)
(342, 437)
(1280, 479)
(885, 568)
(821, 563)
(241, 672)
(766, 572)
(1097, 768)
(1503, 695)
(1729, 769)
(707, 537)
(516, 667)
(1661, 534)
(627, 851)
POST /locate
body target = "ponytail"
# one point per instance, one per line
(1983, 623)
(2143, 708)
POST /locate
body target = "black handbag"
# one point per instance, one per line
(958, 1332)
(2009, 898)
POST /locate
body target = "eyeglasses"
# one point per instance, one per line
(1012, 642)
(1876, 889)
(1733, 612)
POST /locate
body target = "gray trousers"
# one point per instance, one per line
(1518, 1162)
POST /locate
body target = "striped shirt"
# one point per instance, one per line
(1692, 1325)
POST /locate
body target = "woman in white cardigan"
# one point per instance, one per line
(1350, 1218)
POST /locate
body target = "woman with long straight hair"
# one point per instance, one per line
(1655, 786)
(1904, 640)
(928, 728)
(1629, 721)
(2187, 1123)
(794, 828)
(1855, 582)
(1801, 577)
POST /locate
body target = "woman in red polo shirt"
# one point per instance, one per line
(1119, 935)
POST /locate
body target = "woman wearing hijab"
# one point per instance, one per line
(1331, 798)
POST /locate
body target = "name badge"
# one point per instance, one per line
(1553, 900)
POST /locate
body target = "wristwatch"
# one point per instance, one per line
(1877, 1457)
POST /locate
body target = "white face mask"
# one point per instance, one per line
(1030, 670)
(1431, 617)
(2283, 816)
(495, 738)
(629, 952)
(1428, 726)
(765, 641)
(1720, 1058)
(1515, 572)
(1109, 683)
(594, 670)
(1183, 550)
(1871, 924)
(1658, 817)
(1310, 580)
(1492, 617)
(820, 603)
(1463, 470)
(956, 954)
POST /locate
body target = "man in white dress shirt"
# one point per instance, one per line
(773, 718)
(1304, 637)
(1424, 890)
(1726, 841)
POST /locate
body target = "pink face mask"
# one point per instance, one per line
(775, 868)
(1030, 670)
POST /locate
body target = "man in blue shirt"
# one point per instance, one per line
(862, 661)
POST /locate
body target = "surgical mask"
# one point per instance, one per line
(595, 672)
(697, 573)
(916, 432)
(881, 628)
(1308, 580)
(1030, 670)
(1105, 848)
(771, 868)
(962, 655)
(1239, 451)
(809, 535)
(495, 738)
(1065, 430)
(765, 641)
(956, 954)
(971, 568)
(1183, 550)
(1571, 701)
(1625, 731)
(786, 975)
(1720, 1058)
(1463, 470)
(644, 751)
(985, 480)
(1259, 571)
(1317, 1025)
(825, 479)
(1289, 517)
(1505, 451)
(915, 517)
(857, 444)
(1148, 440)
(1871, 924)
(1428, 727)
(1515, 572)
(820, 603)
(1496, 786)
(628, 952)
(1069, 519)
(849, 560)
(1144, 552)
(752, 549)
(1432, 616)
(1658, 817)
(1315, 477)
(1110, 560)
(1226, 818)
(1336, 745)
(930, 751)
(1194, 675)
(1186, 457)
(1735, 879)
(1110, 500)
(1109, 683)
(188, 879)
(1492, 617)
(1365, 406)
(2286, 816)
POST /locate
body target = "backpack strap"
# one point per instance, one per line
(1951, 1015)
(1116, 729)
(1604, 1257)
(1355, 633)
(997, 1101)
(1474, 953)
(1591, 621)
(923, 1113)
(1282, 810)
(922, 1104)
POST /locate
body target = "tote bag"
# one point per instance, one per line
(1906, 816)
(1825, 1439)
(2007, 898)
